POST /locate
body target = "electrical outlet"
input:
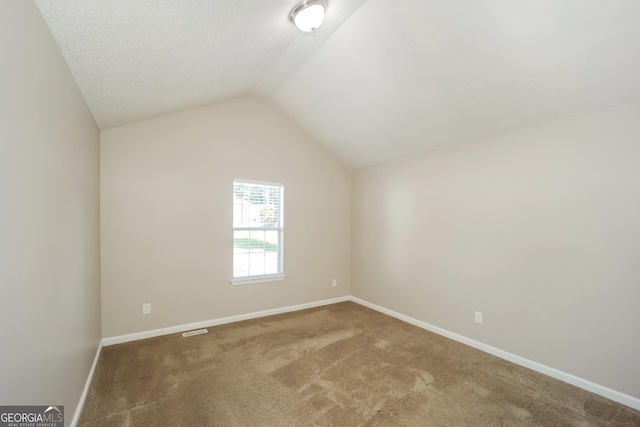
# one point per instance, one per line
(478, 317)
(146, 308)
(334, 283)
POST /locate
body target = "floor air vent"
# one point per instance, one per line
(192, 333)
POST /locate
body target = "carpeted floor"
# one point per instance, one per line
(338, 365)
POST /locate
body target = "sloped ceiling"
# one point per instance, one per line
(135, 59)
(379, 81)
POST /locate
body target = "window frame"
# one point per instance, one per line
(245, 280)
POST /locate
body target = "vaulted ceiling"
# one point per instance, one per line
(379, 81)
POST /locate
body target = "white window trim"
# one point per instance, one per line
(248, 280)
(257, 279)
(253, 181)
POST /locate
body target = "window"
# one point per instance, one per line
(257, 231)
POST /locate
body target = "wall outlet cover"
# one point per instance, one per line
(478, 317)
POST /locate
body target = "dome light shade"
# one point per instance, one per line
(309, 15)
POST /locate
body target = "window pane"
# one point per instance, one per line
(257, 222)
(272, 253)
(240, 239)
(240, 254)
(257, 250)
(257, 205)
(271, 237)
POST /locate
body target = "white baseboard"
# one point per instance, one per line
(614, 395)
(83, 396)
(220, 321)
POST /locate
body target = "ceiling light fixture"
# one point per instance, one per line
(309, 15)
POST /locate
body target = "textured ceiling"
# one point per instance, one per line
(134, 59)
(379, 81)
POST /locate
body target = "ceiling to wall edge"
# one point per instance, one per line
(299, 52)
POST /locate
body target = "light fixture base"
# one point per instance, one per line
(309, 15)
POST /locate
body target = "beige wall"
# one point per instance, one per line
(166, 215)
(538, 229)
(49, 215)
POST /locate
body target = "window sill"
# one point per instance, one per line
(258, 279)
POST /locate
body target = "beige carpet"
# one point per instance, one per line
(339, 365)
